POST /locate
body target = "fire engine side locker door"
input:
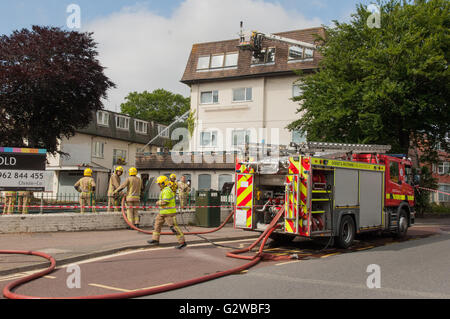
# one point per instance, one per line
(244, 201)
(291, 200)
(304, 228)
(371, 198)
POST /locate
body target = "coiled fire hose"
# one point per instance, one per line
(8, 291)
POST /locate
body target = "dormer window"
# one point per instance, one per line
(217, 61)
(266, 55)
(299, 53)
(122, 122)
(103, 118)
(140, 126)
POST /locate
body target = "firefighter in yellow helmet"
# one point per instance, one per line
(173, 183)
(133, 195)
(114, 183)
(86, 186)
(166, 214)
(10, 201)
(23, 201)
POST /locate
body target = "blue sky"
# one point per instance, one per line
(144, 45)
(24, 13)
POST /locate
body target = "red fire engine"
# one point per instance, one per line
(324, 195)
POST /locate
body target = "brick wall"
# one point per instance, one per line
(70, 222)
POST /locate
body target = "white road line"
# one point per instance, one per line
(288, 262)
(110, 288)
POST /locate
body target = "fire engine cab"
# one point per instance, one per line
(327, 190)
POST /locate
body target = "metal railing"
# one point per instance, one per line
(44, 203)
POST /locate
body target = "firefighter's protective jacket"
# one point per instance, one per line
(134, 186)
(167, 195)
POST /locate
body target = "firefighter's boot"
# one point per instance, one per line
(153, 242)
(181, 246)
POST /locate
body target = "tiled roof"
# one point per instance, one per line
(129, 135)
(244, 67)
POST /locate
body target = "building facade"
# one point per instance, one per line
(240, 99)
(237, 99)
(110, 140)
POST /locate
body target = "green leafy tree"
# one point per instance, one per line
(422, 197)
(160, 106)
(387, 85)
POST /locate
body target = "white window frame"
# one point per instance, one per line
(443, 168)
(213, 93)
(305, 56)
(126, 122)
(444, 197)
(144, 126)
(246, 90)
(212, 142)
(115, 155)
(161, 128)
(215, 57)
(296, 59)
(103, 118)
(266, 55)
(247, 136)
(229, 54)
(203, 57)
(98, 149)
(294, 88)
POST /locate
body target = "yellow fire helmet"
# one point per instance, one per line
(87, 172)
(173, 176)
(162, 180)
(132, 171)
(119, 169)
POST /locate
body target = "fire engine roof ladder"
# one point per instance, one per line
(339, 149)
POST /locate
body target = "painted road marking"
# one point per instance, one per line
(170, 283)
(329, 255)
(364, 248)
(110, 288)
(127, 290)
(288, 262)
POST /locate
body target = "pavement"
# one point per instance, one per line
(71, 247)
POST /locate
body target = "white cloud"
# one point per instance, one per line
(145, 51)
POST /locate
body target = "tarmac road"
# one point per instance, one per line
(416, 268)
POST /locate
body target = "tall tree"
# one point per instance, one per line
(386, 85)
(50, 82)
(160, 106)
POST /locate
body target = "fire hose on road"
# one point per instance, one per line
(8, 291)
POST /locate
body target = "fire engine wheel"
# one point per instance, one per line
(346, 232)
(402, 227)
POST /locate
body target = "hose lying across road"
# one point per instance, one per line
(253, 260)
